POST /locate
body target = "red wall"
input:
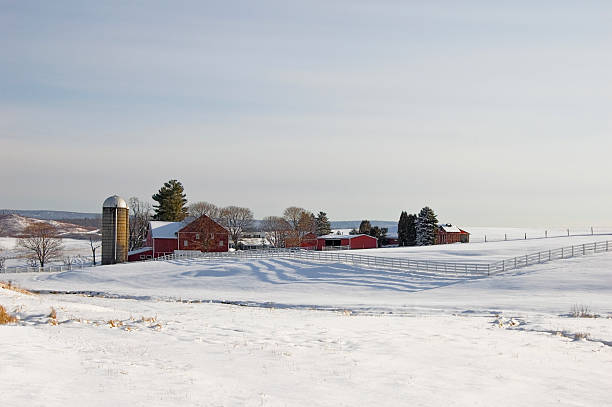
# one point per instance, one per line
(220, 242)
(204, 234)
(363, 242)
(164, 246)
(450, 237)
(358, 242)
(138, 256)
(309, 241)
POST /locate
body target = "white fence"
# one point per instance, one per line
(420, 266)
(550, 255)
(45, 269)
(400, 264)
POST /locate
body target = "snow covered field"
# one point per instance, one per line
(478, 233)
(481, 252)
(72, 248)
(322, 334)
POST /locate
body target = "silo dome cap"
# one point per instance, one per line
(114, 201)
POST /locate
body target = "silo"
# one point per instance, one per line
(115, 230)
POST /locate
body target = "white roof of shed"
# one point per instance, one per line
(165, 230)
(449, 228)
(141, 250)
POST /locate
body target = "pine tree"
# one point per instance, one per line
(402, 229)
(365, 227)
(323, 227)
(426, 224)
(411, 230)
(171, 202)
(380, 234)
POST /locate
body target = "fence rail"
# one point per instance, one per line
(420, 266)
(400, 264)
(45, 269)
(550, 255)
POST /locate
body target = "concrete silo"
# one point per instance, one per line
(115, 230)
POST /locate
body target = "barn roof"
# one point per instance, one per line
(448, 228)
(141, 250)
(165, 230)
(333, 237)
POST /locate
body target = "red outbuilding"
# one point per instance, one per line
(448, 233)
(309, 241)
(201, 234)
(346, 242)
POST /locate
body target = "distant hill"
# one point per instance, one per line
(50, 215)
(14, 225)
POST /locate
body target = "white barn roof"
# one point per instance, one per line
(165, 230)
(449, 228)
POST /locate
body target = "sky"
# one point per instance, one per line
(491, 113)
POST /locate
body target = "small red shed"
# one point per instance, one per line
(448, 233)
(346, 242)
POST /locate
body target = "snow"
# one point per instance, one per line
(141, 250)
(481, 252)
(311, 334)
(72, 248)
(14, 225)
(450, 228)
(165, 230)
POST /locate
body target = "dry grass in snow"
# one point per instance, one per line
(10, 286)
(5, 317)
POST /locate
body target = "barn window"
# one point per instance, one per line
(185, 243)
(220, 243)
(197, 236)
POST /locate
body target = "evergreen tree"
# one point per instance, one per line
(323, 227)
(380, 234)
(411, 230)
(426, 224)
(365, 227)
(171, 202)
(402, 229)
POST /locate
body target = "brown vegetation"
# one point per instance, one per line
(5, 317)
(10, 286)
(53, 317)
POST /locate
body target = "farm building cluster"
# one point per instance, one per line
(205, 235)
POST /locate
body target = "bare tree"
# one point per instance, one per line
(140, 216)
(198, 209)
(302, 222)
(292, 215)
(307, 224)
(2, 257)
(236, 220)
(41, 243)
(95, 244)
(276, 229)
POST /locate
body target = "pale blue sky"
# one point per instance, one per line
(492, 114)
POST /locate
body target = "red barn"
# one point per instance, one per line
(448, 233)
(201, 234)
(347, 242)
